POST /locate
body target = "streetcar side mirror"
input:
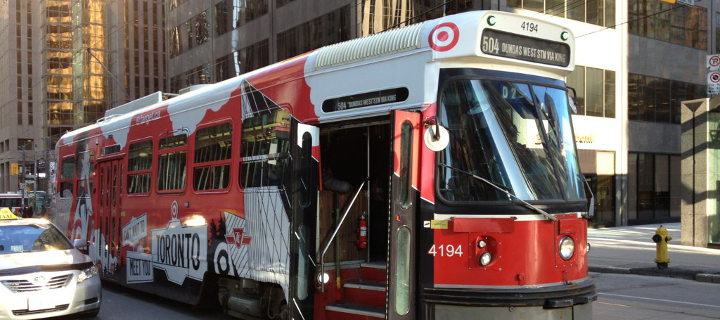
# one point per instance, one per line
(436, 136)
(573, 99)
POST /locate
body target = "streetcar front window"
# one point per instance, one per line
(513, 134)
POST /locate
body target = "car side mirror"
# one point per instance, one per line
(81, 245)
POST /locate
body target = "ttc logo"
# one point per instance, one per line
(238, 238)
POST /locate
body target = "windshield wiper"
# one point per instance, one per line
(504, 189)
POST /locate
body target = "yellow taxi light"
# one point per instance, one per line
(5, 213)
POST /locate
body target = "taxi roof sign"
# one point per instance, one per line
(5, 213)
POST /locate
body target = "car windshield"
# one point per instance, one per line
(31, 237)
(514, 134)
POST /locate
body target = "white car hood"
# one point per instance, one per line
(55, 260)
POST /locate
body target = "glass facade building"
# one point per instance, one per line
(87, 42)
(65, 63)
(20, 112)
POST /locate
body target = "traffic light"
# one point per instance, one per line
(14, 169)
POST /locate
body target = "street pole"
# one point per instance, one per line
(21, 178)
(35, 181)
(47, 174)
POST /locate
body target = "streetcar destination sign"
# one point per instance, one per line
(514, 46)
(367, 99)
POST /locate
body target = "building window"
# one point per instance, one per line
(327, 29)
(674, 23)
(597, 12)
(176, 3)
(242, 61)
(230, 15)
(653, 187)
(197, 75)
(213, 151)
(139, 167)
(595, 91)
(658, 100)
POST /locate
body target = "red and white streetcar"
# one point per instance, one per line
(427, 172)
(12, 201)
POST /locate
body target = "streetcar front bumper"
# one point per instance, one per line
(548, 302)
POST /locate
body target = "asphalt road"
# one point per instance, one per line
(621, 297)
(630, 297)
(119, 303)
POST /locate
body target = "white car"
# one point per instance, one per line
(43, 274)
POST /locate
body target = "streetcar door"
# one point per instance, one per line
(305, 150)
(109, 217)
(404, 195)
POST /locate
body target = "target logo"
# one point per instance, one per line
(174, 210)
(444, 37)
(714, 61)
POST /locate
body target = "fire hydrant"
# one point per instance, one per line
(661, 239)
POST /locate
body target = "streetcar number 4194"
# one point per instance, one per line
(447, 250)
(529, 26)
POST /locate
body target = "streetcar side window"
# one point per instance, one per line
(402, 271)
(85, 166)
(213, 151)
(67, 177)
(172, 163)
(139, 167)
(265, 149)
(405, 152)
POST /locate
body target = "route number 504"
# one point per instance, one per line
(447, 250)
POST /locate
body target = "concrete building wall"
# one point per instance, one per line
(651, 137)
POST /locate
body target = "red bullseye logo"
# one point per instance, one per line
(444, 37)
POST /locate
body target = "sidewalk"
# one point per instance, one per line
(630, 249)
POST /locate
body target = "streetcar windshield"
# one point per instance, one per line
(517, 135)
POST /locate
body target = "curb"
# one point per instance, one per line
(617, 270)
(707, 277)
(669, 273)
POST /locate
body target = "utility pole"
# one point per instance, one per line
(35, 181)
(48, 173)
(21, 178)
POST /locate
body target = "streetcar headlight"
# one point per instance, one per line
(565, 35)
(566, 248)
(485, 258)
(491, 20)
(481, 244)
(88, 273)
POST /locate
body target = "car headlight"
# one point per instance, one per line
(566, 248)
(88, 273)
